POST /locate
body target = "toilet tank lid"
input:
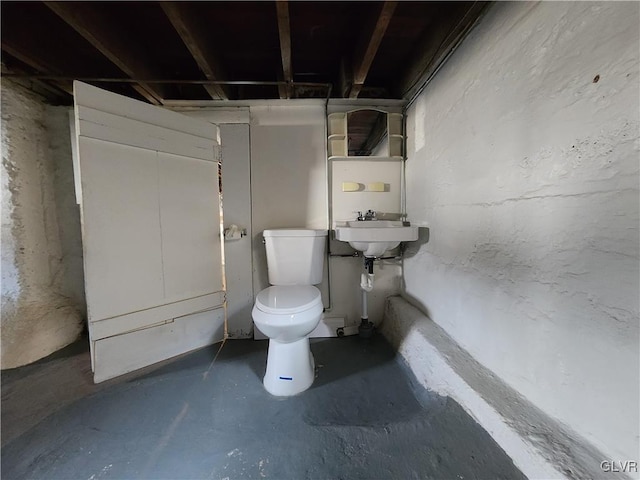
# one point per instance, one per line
(294, 232)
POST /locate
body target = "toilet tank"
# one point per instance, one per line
(295, 256)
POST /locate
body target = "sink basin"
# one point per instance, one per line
(375, 237)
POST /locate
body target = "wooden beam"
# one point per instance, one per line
(345, 77)
(368, 47)
(284, 29)
(38, 64)
(85, 19)
(282, 87)
(194, 37)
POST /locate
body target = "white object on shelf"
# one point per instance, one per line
(352, 187)
(377, 187)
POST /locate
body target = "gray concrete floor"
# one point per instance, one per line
(207, 417)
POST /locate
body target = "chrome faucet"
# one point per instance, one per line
(370, 215)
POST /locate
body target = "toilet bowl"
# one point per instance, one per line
(289, 310)
(287, 315)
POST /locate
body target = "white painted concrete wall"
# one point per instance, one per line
(42, 277)
(345, 204)
(288, 174)
(526, 171)
(289, 186)
(345, 271)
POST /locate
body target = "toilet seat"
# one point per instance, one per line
(288, 299)
(287, 313)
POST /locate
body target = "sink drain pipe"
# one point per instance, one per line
(365, 330)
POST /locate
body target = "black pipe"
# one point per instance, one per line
(368, 264)
(174, 81)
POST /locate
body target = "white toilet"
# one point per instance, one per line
(289, 310)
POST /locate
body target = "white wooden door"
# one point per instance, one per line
(151, 216)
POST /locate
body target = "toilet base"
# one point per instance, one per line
(290, 368)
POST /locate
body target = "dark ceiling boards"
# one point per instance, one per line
(164, 51)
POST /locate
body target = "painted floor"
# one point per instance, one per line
(208, 417)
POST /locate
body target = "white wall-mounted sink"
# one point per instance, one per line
(375, 237)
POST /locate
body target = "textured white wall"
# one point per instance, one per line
(42, 276)
(526, 171)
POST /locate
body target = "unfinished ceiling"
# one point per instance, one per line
(168, 51)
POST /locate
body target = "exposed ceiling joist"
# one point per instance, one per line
(382, 49)
(284, 29)
(87, 22)
(194, 38)
(345, 77)
(38, 64)
(368, 47)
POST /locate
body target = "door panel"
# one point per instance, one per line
(126, 353)
(121, 228)
(119, 129)
(150, 211)
(190, 227)
(154, 316)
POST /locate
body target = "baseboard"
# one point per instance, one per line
(539, 446)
